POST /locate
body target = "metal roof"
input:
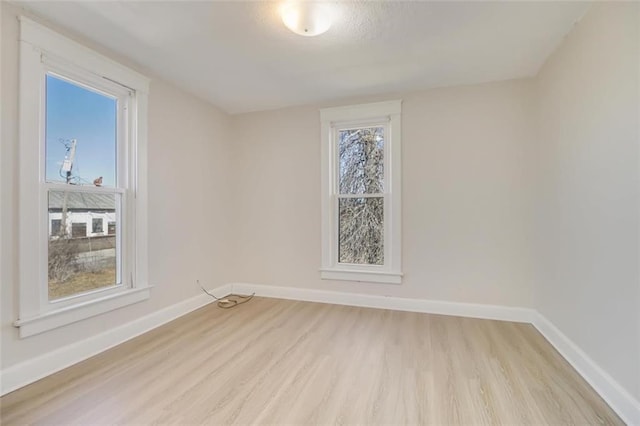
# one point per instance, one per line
(82, 201)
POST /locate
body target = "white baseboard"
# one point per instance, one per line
(502, 313)
(621, 401)
(29, 371)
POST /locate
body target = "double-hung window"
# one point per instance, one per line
(361, 189)
(82, 162)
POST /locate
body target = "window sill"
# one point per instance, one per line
(70, 314)
(366, 276)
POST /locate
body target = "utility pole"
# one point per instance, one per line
(67, 167)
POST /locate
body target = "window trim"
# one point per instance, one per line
(379, 113)
(43, 50)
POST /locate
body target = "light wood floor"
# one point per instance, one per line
(284, 362)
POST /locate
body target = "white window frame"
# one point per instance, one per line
(387, 114)
(44, 51)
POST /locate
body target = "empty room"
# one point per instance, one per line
(320, 212)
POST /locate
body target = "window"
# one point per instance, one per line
(361, 191)
(96, 226)
(78, 230)
(56, 227)
(82, 161)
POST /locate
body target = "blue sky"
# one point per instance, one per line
(74, 112)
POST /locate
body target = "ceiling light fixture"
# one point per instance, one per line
(307, 18)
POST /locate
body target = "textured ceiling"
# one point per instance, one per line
(240, 57)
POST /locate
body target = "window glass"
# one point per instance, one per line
(77, 264)
(361, 220)
(361, 231)
(361, 160)
(81, 131)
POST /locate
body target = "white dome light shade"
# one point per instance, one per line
(306, 18)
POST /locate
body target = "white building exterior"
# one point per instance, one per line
(95, 223)
(87, 214)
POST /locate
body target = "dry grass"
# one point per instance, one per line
(81, 282)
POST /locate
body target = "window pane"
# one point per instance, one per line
(78, 230)
(81, 261)
(361, 160)
(80, 135)
(361, 231)
(97, 225)
(55, 226)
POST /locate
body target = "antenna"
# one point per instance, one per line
(67, 164)
(67, 167)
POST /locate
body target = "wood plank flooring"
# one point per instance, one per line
(284, 362)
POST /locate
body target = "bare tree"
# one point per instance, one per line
(62, 255)
(361, 218)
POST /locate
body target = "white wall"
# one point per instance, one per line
(465, 197)
(587, 212)
(188, 198)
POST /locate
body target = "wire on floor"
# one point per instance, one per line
(229, 301)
